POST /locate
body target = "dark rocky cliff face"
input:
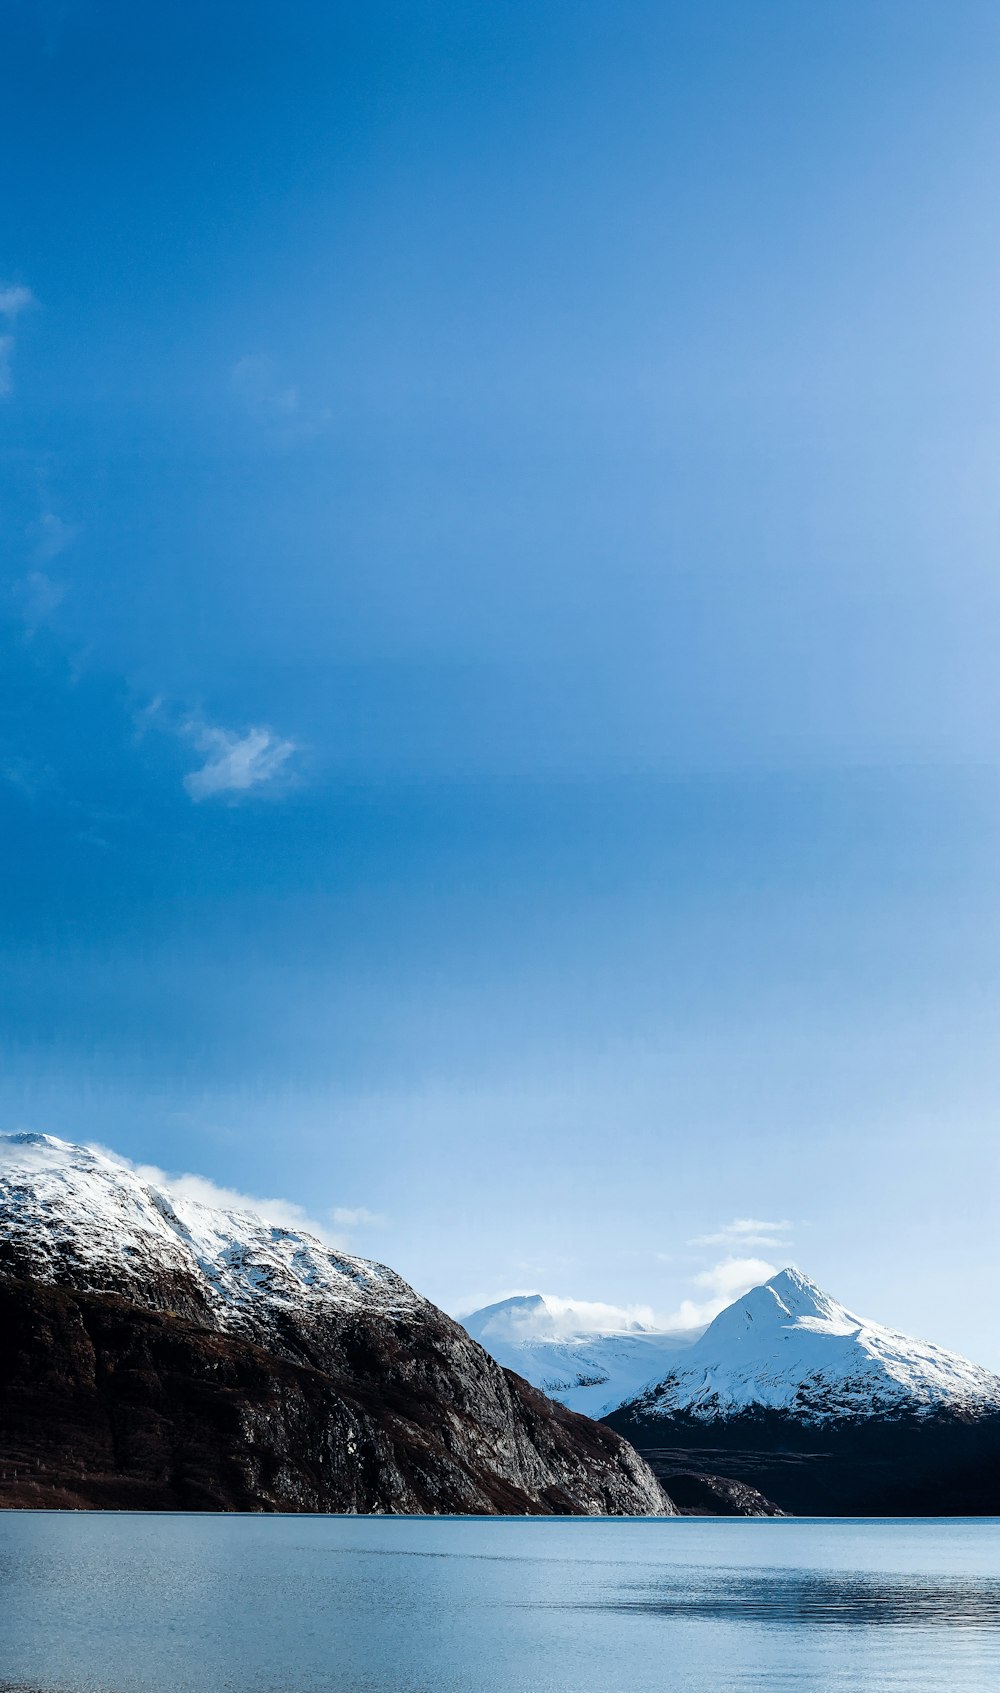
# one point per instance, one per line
(157, 1352)
(104, 1404)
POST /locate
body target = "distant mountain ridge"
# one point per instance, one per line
(786, 1398)
(783, 1346)
(160, 1353)
(589, 1372)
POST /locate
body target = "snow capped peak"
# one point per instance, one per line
(787, 1346)
(788, 1297)
(801, 1297)
(82, 1217)
(26, 1137)
(522, 1313)
(548, 1316)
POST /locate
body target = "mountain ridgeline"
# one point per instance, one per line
(162, 1354)
(790, 1394)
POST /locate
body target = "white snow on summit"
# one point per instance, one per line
(71, 1214)
(787, 1346)
(784, 1346)
(554, 1345)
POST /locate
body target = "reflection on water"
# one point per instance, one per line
(174, 1604)
(846, 1599)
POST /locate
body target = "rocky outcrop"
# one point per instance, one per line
(162, 1355)
(697, 1495)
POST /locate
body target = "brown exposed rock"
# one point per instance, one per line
(107, 1404)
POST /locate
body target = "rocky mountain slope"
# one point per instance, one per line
(587, 1371)
(823, 1411)
(161, 1353)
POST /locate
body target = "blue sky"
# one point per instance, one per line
(499, 526)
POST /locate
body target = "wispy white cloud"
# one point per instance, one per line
(718, 1287)
(40, 596)
(50, 536)
(265, 395)
(14, 299)
(279, 1213)
(152, 715)
(564, 1318)
(747, 1232)
(39, 593)
(739, 1270)
(257, 381)
(30, 779)
(6, 365)
(356, 1217)
(235, 762)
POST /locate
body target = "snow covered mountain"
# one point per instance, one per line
(788, 1347)
(784, 1347)
(73, 1215)
(555, 1349)
(162, 1353)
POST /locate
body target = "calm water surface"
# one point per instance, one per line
(177, 1604)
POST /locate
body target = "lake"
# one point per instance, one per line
(92, 1603)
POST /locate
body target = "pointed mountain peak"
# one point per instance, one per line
(801, 1297)
(519, 1304)
(520, 1314)
(30, 1138)
(788, 1346)
(787, 1301)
